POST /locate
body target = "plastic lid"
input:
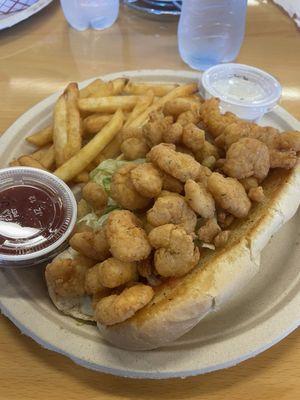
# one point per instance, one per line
(249, 90)
(37, 214)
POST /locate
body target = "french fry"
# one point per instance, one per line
(14, 163)
(39, 154)
(95, 122)
(112, 150)
(48, 159)
(119, 85)
(27, 161)
(99, 88)
(141, 88)
(91, 88)
(41, 138)
(67, 137)
(60, 130)
(86, 154)
(142, 104)
(180, 91)
(74, 128)
(108, 104)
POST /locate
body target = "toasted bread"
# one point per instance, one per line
(181, 303)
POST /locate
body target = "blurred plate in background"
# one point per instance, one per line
(8, 20)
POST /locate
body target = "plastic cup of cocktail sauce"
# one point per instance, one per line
(37, 215)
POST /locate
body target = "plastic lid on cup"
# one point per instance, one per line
(37, 215)
(246, 91)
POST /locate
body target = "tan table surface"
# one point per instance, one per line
(40, 56)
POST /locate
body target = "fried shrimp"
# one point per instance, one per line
(257, 194)
(134, 148)
(188, 117)
(221, 239)
(209, 230)
(127, 240)
(193, 137)
(172, 209)
(95, 195)
(147, 180)
(247, 157)
(91, 244)
(229, 194)
(118, 308)
(180, 166)
(123, 190)
(174, 134)
(154, 130)
(172, 184)
(175, 253)
(67, 276)
(199, 199)
(111, 273)
(213, 120)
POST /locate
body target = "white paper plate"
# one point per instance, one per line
(6, 21)
(266, 311)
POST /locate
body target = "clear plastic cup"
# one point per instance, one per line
(246, 91)
(37, 215)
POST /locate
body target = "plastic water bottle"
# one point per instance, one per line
(211, 31)
(95, 14)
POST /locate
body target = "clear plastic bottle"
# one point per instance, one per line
(95, 14)
(211, 31)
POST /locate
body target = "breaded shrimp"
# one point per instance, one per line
(127, 240)
(180, 166)
(118, 308)
(172, 209)
(229, 194)
(123, 191)
(147, 180)
(176, 253)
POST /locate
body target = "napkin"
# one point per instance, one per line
(292, 7)
(12, 6)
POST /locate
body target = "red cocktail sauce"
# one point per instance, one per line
(36, 216)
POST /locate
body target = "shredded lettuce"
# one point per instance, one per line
(102, 174)
(94, 221)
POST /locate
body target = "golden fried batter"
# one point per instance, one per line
(67, 276)
(91, 244)
(172, 209)
(229, 194)
(176, 253)
(209, 230)
(199, 199)
(128, 241)
(134, 148)
(221, 239)
(154, 130)
(213, 120)
(247, 157)
(257, 194)
(180, 166)
(95, 195)
(174, 134)
(147, 180)
(113, 273)
(123, 191)
(193, 137)
(172, 184)
(118, 308)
